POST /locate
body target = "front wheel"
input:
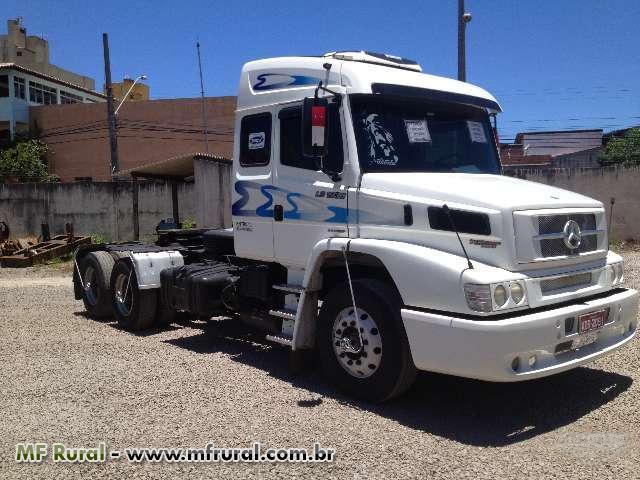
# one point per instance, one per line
(365, 350)
(134, 309)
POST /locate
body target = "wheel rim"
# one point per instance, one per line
(123, 292)
(357, 343)
(90, 286)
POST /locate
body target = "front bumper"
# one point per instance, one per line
(485, 349)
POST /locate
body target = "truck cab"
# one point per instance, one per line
(373, 230)
(411, 186)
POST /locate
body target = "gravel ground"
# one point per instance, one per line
(65, 378)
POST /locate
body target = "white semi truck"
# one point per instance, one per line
(374, 232)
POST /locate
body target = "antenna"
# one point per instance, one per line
(613, 202)
(445, 207)
(204, 109)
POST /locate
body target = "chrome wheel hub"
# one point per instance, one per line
(90, 286)
(356, 342)
(123, 294)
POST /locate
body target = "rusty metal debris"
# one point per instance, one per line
(21, 253)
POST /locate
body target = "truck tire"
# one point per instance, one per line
(367, 355)
(96, 268)
(134, 309)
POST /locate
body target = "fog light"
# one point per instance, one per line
(517, 292)
(515, 364)
(532, 361)
(500, 295)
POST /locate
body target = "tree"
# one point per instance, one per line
(622, 151)
(25, 161)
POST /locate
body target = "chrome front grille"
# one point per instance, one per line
(551, 234)
(568, 281)
(555, 247)
(556, 223)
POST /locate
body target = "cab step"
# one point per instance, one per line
(284, 313)
(289, 288)
(282, 340)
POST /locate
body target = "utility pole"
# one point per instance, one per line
(111, 116)
(463, 19)
(204, 108)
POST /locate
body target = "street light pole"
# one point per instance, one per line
(463, 19)
(204, 107)
(141, 77)
(111, 117)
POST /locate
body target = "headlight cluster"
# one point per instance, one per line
(496, 296)
(616, 273)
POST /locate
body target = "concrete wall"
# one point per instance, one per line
(105, 208)
(102, 208)
(602, 184)
(212, 190)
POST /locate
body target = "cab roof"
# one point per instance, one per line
(289, 79)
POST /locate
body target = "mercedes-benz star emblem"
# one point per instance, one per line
(572, 234)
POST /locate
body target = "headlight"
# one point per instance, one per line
(500, 295)
(478, 297)
(496, 296)
(517, 292)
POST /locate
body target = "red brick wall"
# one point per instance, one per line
(148, 131)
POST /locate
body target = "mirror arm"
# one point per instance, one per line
(337, 96)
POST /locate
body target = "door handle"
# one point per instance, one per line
(278, 213)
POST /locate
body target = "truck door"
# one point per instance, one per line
(252, 192)
(310, 206)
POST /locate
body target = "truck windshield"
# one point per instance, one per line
(400, 135)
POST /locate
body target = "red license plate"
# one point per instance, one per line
(592, 321)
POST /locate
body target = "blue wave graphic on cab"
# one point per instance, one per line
(274, 81)
(292, 211)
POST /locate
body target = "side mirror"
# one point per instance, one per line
(315, 127)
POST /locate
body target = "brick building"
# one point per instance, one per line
(148, 131)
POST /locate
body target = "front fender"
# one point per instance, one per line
(425, 277)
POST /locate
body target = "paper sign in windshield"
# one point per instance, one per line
(476, 132)
(417, 131)
(256, 140)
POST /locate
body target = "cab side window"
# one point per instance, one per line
(255, 140)
(291, 140)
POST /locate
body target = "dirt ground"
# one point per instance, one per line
(66, 378)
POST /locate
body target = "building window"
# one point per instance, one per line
(291, 140)
(42, 94)
(19, 88)
(255, 140)
(68, 97)
(4, 85)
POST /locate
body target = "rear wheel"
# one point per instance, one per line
(96, 270)
(365, 350)
(134, 309)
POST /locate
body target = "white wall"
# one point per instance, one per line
(17, 110)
